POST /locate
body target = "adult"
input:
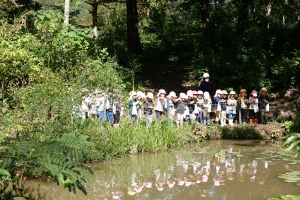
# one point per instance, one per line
(206, 85)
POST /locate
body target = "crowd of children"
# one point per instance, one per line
(193, 105)
(197, 106)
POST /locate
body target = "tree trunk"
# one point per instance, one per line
(67, 12)
(133, 38)
(242, 21)
(95, 20)
(268, 13)
(204, 12)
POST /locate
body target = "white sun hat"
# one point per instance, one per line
(206, 95)
(200, 92)
(141, 94)
(232, 92)
(150, 95)
(161, 91)
(183, 96)
(190, 93)
(172, 94)
(205, 75)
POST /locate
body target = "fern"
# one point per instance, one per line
(58, 158)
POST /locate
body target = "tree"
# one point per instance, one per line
(67, 12)
(133, 38)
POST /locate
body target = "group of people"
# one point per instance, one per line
(104, 107)
(198, 106)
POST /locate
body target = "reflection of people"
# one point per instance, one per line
(242, 172)
(251, 170)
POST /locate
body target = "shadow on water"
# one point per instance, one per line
(212, 170)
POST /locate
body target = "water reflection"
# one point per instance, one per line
(215, 170)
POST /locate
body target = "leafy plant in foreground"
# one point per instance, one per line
(59, 158)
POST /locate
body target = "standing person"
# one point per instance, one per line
(191, 105)
(222, 107)
(118, 104)
(161, 103)
(231, 107)
(148, 108)
(206, 109)
(205, 84)
(171, 101)
(200, 103)
(181, 107)
(253, 107)
(140, 97)
(217, 99)
(109, 109)
(242, 105)
(133, 107)
(102, 105)
(263, 104)
(85, 103)
(93, 105)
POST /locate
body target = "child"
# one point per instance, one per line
(85, 103)
(242, 104)
(206, 108)
(200, 103)
(191, 105)
(103, 104)
(231, 107)
(133, 104)
(253, 107)
(148, 107)
(222, 107)
(161, 103)
(263, 105)
(118, 105)
(140, 97)
(109, 109)
(171, 100)
(217, 98)
(181, 106)
(93, 105)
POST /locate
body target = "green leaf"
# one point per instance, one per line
(291, 138)
(4, 172)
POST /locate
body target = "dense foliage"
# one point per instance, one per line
(45, 64)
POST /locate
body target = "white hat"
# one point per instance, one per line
(183, 96)
(205, 75)
(232, 92)
(150, 95)
(141, 94)
(132, 93)
(190, 94)
(218, 92)
(200, 92)
(161, 91)
(254, 93)
(206, 95)
(172, 94)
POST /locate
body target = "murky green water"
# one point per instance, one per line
(213, 170)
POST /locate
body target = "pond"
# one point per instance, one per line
(209, 170)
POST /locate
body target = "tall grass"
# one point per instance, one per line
(110, 142)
